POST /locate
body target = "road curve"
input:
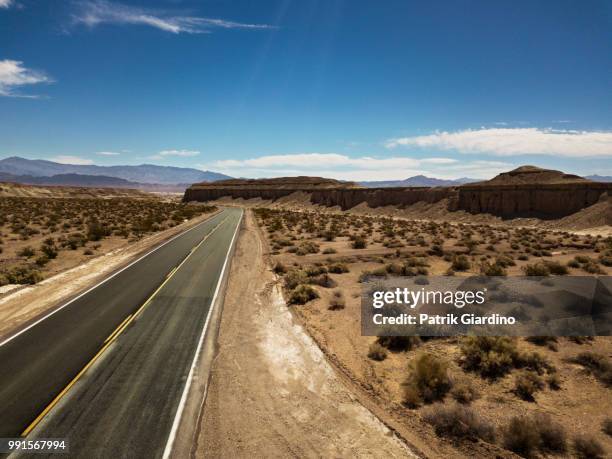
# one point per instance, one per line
(124, 404)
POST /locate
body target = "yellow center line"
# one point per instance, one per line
(111, 338)
(116, 329)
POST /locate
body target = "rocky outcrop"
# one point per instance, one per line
(509, 195)
(545, 201)
(345, 198)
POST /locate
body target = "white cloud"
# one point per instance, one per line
(65, 159)
(183, 153)
(14, 75)
(515, 141)
(5, 3)
(343, 167)
(108, 153)
(95, 12)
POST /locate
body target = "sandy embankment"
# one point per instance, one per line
(28, 303)
(272, 392)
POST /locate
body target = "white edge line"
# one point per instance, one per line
(183, 400)
(10, 338)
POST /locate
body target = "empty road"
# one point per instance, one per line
(118, 356)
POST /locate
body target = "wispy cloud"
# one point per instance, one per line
(13, 75)
(180, 153)
(108, 153)
(515, 141)
(76, 160)
(96, 12)
(6, 3)
(343, 167)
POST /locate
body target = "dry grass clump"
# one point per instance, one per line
(427, 381)
(606, 426)
(490, 356)
(459, 423)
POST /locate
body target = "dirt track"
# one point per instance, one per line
(272, 393)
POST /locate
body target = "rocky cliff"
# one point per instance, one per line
(524, 192)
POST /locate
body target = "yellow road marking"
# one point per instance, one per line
(111, 338)
(116, 329)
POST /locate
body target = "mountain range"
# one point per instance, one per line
(417, 180)
(143, 174)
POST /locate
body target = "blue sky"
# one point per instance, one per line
(347, 89)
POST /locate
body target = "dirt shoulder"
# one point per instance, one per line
(17, 308)
(272, 392)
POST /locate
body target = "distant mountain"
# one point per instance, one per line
(144, 173)
(417, 180)
(89, 181)
(599, 178)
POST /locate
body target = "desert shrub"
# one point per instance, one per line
(88, 252)
(553, 437)
(597, 364)
(588, 447)
(302, 294)
(536, 269)
(533, 361)
(49, 250)
(542, 340)
(556, 268)
(580, 339)
(26, 252)
(398, 343)
(377, 352)
(23, 275)
(464, 392)
(553, 381)
(606, 259)
(338, 268)
(521, 436)
(359, 243)
(307, 247)
(323, 280)
(461, 263)
(427, 381)
(458, 422)
(337, 301)
(42, 260)
(295, 277)
(504, 261)
(593, 268)
(490, 356)
(329, 250)
(606, 426)
(279, 268)
(492, 269)
(527, 384)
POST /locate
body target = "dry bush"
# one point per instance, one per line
(461, 263)
(377, 352)
(490, 356)
(588, 447)
(527, 435)
(427, 381)
(458, 423)
(464, 392)
(606, 426)
(359, 243)
(302, 294)
(526, 384)
(399, 343)
(337, 301)
(597, 364)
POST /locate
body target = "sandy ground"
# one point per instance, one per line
(272, 392)
(17, 307)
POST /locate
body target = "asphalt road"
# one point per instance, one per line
(125, 403)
